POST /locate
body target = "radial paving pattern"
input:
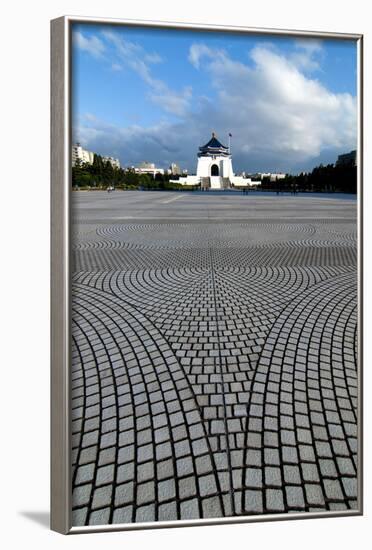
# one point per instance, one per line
(214, 356)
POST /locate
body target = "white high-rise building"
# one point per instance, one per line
(272, 176)
(148, 168)
(174, 169)
(79, 153)
(115, 163)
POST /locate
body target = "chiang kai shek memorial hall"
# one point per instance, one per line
(214, 169)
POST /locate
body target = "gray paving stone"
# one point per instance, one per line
(253, 477)
(123, 515)
(254, 458)
(333, 489)
(85, 473)
(274, 500)
(253, 501)
(272, 457)
(314, 494)
(168, 511)
(187, 487)
(184, 466)
(124, 493)
(105, 474)
(310, 472)
(145, 472)
(295, 497)
(81, 495)
(273, 476)
(211, 507)
(190, 509)
(292, 474)
(102, 496)
(100, 517)
(346, 466)
(350, 486)
(290, 454)
(328, 468)
(79, 516)
(147, 513)
(185, 328)
(207, 485)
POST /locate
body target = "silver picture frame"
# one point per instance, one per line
(61, 84)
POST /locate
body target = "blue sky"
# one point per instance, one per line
(157, 94)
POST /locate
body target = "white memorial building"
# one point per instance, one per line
(214, 169)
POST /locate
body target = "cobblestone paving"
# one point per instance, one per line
(214, 368)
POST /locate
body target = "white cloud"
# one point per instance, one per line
(308, 54)
(137, 59)
(154, 58)
(311, 45)
(90, 44)
(173, 102)
(198, 51)
(279, 116)
(273, 106)
(134, 56)
(132, 144)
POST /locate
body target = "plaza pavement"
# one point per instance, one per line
(214, 368)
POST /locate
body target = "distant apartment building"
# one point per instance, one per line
(148, 168)
(114, 162)
(81, 154)
(347, 159)
(271, 176)
(174, 169)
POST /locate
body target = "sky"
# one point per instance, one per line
(156, 95)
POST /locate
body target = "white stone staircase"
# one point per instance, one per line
(216, 182)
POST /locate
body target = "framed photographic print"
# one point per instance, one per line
(206, 274)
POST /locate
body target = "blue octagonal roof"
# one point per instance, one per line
(213, 147)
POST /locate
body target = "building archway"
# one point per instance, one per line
(215, 170)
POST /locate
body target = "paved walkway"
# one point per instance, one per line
(214, 356)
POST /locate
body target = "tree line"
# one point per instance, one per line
(102, 174)
(332, 178)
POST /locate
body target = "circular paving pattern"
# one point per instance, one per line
(214, 364)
